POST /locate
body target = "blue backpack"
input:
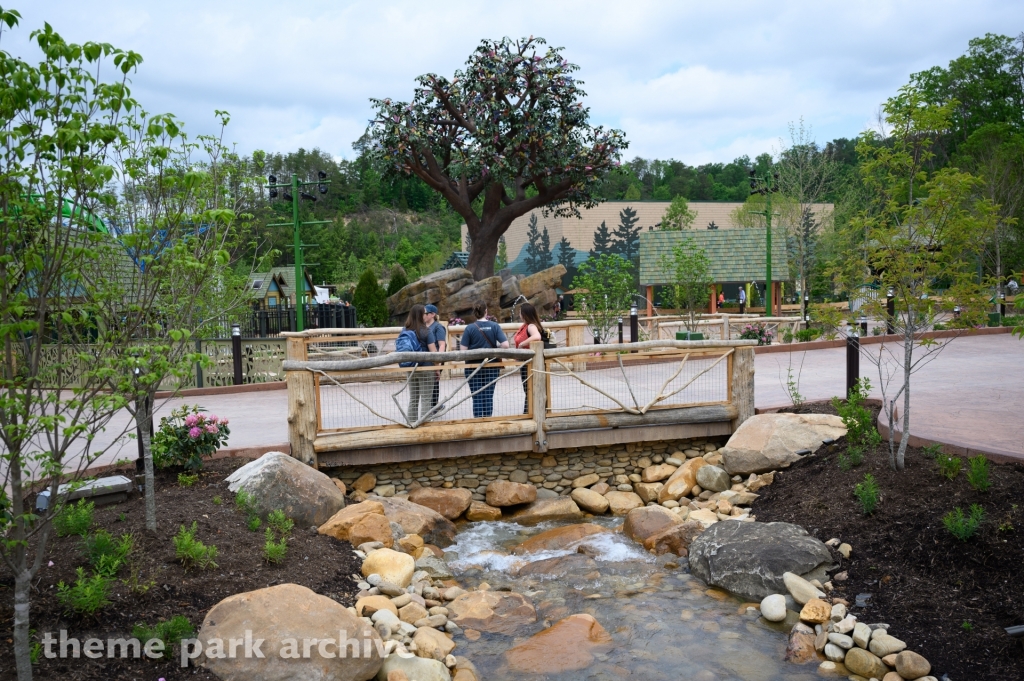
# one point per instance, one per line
(407, 341)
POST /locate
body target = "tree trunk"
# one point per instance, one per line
(485, 240)
(908, 357)
(22, 644)
(145, 418)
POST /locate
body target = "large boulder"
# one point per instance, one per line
(462, 302)
(621, 503)
(494, 612)
(557, 538)
(451, 503)
(545, 279)
(502, 493)
(648, 521)
(750, 559)
(682, 481)
(675, 539)
(568, 645)
(394, 567)
(277, 481)
(589, 500)
(283, 616)
(433, 527)
(340, 524)
(766, 442)
(431, 289)
(561, 508)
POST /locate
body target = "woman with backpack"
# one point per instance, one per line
(477, 336)
(531, 330)
(413, 338)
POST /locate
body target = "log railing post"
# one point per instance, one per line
(725, 327)
(741, 386)
(539, 395)
(302, 405)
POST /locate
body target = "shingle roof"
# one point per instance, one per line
(737, 255)
(458, 259)
(285, 274)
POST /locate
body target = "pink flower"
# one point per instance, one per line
(194, 433)
(212, 429)
(211, 419)
(223, 422)
(191, 420)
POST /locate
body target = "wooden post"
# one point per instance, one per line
(574, 339)
(539, 395)
(650, 301)
(302, 406)
(714, 300)
(741, 387)
(725, 327)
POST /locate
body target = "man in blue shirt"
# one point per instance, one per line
(477, 336)
(436, 342)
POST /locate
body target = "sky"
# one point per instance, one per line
(696, 81)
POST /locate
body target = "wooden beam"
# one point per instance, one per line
(398, 357)
(302, 406)
(702, 414)
(538, 396)
(423, 435)
(742, 385)
(427, 452)
(616, 436)
(646, 345)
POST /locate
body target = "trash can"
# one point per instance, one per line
(689, 336)
(995, 319)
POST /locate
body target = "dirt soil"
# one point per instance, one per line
(948, 599)
(321, 563)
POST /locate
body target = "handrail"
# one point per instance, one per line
(401, 357)
(457, 328)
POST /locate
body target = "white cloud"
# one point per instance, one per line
(695, 81)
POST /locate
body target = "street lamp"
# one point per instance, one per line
(294, 195)
(890, 311)
(766, 186)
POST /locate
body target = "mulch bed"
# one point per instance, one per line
(323, 564)
(948, 599)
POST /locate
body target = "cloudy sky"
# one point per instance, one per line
(697, 81)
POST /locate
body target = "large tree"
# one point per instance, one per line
(507, 134)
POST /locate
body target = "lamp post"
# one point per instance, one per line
(852, 359)
(236, 352)
(766, 186)
(294, 195)
(634, 324)
(890, 311)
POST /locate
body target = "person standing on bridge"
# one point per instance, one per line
(413, 338)
(531, 330)
(436, 342)
(479, 335)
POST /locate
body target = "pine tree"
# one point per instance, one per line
(545, 250)
(626, 239)
(398, 280)
(369, 300)
(602, 241)
(538, 250)
(566, 254)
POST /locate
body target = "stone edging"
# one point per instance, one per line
(874, 340)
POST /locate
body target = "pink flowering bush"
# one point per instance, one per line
(757, 332)
(188, 436)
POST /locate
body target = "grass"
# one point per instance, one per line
(964, 526)
(867, 494)
(192, 552)
(87, 595)
(977, 473)
(74, 518)
(171, 631)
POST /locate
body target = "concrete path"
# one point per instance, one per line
(972, 395)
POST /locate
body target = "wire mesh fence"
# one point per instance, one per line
(636, 383)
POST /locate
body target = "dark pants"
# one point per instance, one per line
(436, 393)
(524, 374)
(743, 308)
(483, 398)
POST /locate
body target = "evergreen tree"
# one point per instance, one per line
(602, 241)
(369, 300)
(398, 280)
(566, 254)
(545, 250)
(538, 250)
(626, 238)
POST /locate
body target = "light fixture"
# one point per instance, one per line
(236, 331)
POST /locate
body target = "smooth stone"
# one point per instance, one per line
(502, 493)
(557, 538)
(414, 667)
(278, 481)
(885, 645)
(845, 625)
(682, 481)
(495, 612)
(841, 640)
(589, 500)
(432, 644)
(834, 653)
(838, 612)
(622, 502)
(434, 567)
(586, 480)
(365, 482)
(478, 510)
(412, 613)
(648, 491)
(861, 634)
(433, 527)
(562, 508)
(801, 589)
(767, 442)
(911, 665)
(713, 478)
(676, 539)
(568, 645)
(868, 665)
(391, 565)
(451, 503)
(647, 521)
(773, 608)
(657, 473)
(368, 605)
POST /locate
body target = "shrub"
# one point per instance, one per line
(829, 318)
(135, 583)
(192, 552)
(932, 451)
(949, 466)
(867, 494)
(87, 595)
(106, 554)
(861, 433)
(369, 300)
(187, 436)
(74, 518)
(171, 632)
(253, 523)
(398, 280)
(758, 332)
(961, 526)
(246, 503)
(186, 480)
(807, 335)
(277, 520)
(274, 552)
(977, 473)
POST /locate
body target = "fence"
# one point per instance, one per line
(356, 408)
(264, 322)
(724, 327)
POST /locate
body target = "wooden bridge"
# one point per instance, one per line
(349, 400)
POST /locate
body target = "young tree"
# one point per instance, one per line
(678, 216)
(508, 134)
(605, 286)
(398, 280)
(538, 247)
(567, 258)
(691, 283)
(602, 241)
(626, 237)
(370, 300)
(920, 235)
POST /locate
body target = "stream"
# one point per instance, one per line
(664, 623)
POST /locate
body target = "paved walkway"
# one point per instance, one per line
(972, 395)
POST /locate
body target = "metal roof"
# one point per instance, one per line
(737, 255)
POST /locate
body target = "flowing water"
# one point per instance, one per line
(665, 623)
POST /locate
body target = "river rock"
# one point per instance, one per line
(451, 503)
(910, 665)
(682, 481)
(868, 665)
(816, 611)
(557, 538)
(432, 644)
(416, 519)
(568, 645)
(559, 566)
(750, 559)
(369, 528)
(283, 613)
(861, 634)
(773, 608)
(834, 653)
(657, 473)
(800, 589)
(648, 491)
(277, 481)
(561, 508)
(392, 566)
(365, 482)
(883, 644)
(713, 478)
(412, 612)
(621, 503)
(338, 525)
(478, 510)
(704, 516)
(676, 539)
(800, 648)
(434, 567)
(495, 612)
(415, 668)
(647, 521)
(586, 480)
(766, 442)
(367, 605)
(502, 493)
(589, 500)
